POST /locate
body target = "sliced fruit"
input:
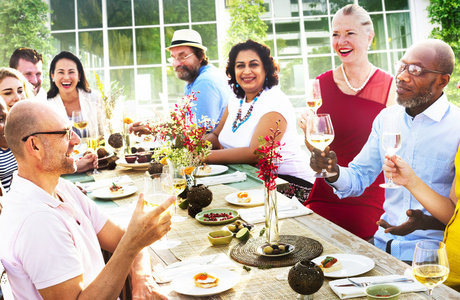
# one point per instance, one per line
(183, 204)
(243, 234)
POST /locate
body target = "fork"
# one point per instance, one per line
(366, 284)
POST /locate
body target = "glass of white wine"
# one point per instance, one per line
(314, 99)
(157, 188)
(179, 183)
(391, 142)
(79, 122)
(92, 140)
(430, 265)
(320, 134)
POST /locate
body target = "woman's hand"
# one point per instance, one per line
(399, 170)
(87, 162)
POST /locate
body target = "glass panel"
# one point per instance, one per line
(175, 11)
(63, 16)
(378, 43)
(91, 78)
(148, 46)
(285, 9)
(121, 47)
(399, 30)
(91, 49)
(394, 57)
(396, 4)
(149, 87)
(379, 60)
(203, 10)
(169, 32)
(119, 13)
(125, 77)
(267, 14)
(338, 4)
(146, 12)
(89, 13)
(175, 86)
(292, 76)
(208, 34)
(371, 5)
(65, 41)
(318, 65)
(314, 7)
(317, 33)
(288, 37)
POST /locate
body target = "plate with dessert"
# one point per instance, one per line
(114, 191)
(208, 170)
(133, 162)
(275, 250)
(344, 265)
(205, 283)
(246, 198)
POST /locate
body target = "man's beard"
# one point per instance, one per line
(187, 74)
(422, 97)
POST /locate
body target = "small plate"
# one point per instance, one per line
(260, 250)
(202, 219)
(257, 198)
(215, 169)
(352, 265)
(184, 284)
(105, 161)
(104, 193)
(135, 166)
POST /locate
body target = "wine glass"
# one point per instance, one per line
(157, 188)
(430, 266)
(320, 134)
(79, 122)
(314, 99)
(179, 183)
(391, 142)
(92, 140)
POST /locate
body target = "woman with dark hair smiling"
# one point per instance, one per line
(257, 105)
(70, 91)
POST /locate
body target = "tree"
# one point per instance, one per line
(446, 14)
(23, 23)
(245, 23)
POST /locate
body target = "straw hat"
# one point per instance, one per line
(186, 37)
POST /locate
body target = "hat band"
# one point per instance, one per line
(183, 42)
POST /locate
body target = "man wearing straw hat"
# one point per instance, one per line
(190, 63)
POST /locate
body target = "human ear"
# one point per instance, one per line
(444, 80)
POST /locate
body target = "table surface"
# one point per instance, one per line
(261, 283)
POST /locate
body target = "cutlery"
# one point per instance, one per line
(209, 260)
(365, 284)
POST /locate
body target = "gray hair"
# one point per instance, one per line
(359, 12)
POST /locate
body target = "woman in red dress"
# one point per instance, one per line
(353, 94)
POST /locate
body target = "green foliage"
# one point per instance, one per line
(245, 23)
(23, 23)
(446, 14)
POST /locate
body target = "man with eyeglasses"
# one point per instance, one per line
(52, 234)
(430, 134)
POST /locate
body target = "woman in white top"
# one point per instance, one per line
(70, 91)
(257, 105)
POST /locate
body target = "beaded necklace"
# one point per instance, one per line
(361, 87)
(237, 124)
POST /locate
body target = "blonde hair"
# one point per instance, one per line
(9, 72)
(359, 12)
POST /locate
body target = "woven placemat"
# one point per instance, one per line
(305, 248)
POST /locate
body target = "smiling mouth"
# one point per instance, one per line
(66, 84)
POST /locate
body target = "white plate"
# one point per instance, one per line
(260, 250)
(215, 169)
(136, 166)
(104, 193)
(257, 198)
(184, 284)
(352, 265)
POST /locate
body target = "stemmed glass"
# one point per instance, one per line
(320, 134)
(79, 121)
(391, 142)
(92, 140)
(430, 265)
(314, 99)
(157, 188)
(179, 183)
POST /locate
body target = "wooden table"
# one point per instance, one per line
(258, 282)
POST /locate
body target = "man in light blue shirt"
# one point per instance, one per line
(430, 132)
(210, 85)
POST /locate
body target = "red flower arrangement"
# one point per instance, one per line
(269, 158)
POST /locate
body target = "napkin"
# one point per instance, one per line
(199, 263)
(221, 179)
(351, 292)
(91, 186)
(121, 214)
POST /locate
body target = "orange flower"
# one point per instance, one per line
(164, 161)
(188, 170)
(127, 120)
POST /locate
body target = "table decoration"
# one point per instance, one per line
(306, 278)
(269, 159)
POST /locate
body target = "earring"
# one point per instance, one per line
(237, 85)
(266, 78)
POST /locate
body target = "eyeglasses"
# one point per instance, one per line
(180, 59)
(67, 131)
(413, 69)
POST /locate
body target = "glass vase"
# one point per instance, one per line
(271, 216)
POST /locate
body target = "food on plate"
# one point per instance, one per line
(102, 152)
(243, 234)
(182, 203)
(116, 140)
(330, 264)
(243, 197)
(205, 169)
(212, 217)
(130, 159)
(148, 138)
(275, 249)
(76, 152)
(116, 189)
(205, 280)
(239, 225)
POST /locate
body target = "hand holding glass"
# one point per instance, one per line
(320, 134)
(179, 183)
(391, 142)
(314, 99)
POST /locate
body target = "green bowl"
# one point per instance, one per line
(220, 237)
(383, 291)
